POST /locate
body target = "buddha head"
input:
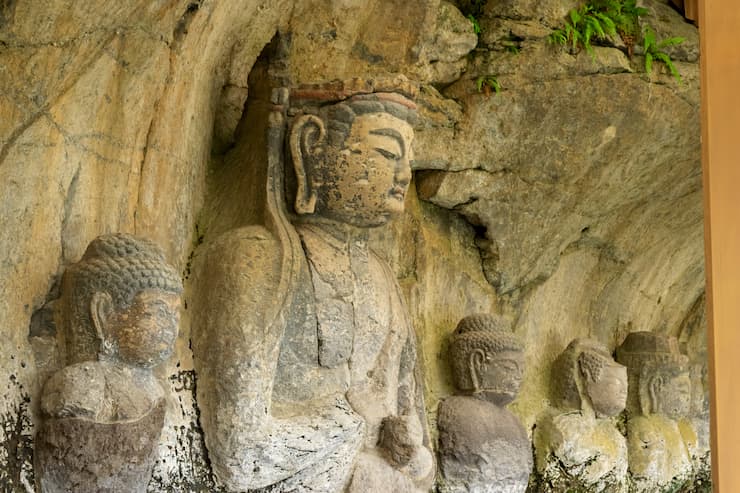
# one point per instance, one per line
(487, 358)
(121, 303)
(351, 158)
(660, 382)
(585, 376)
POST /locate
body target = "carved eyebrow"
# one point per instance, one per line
(394, 134)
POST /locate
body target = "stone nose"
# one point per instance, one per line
(403, 172)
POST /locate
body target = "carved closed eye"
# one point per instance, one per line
(507, 365)
(388, 154)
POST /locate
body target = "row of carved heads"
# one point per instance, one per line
(649, 376)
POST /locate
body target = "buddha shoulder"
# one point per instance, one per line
(75, 391)
(245, 262)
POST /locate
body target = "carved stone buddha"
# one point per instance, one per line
(577, 444)
(103, 413)
(483, 447)
(659, 435)
(305, 355)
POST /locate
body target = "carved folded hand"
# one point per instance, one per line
(402, 438)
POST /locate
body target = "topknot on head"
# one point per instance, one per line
(494, 331)
(642, 348)
(123, 245)
(483, 322)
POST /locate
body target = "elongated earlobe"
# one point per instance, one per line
(101, 308)
(656, 383)
(307, 137)
(474, 366)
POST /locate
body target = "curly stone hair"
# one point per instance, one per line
(490, 333)
(583, 358)
(120, 265)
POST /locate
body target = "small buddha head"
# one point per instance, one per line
(487, 358)
(585, 376)
(350, 146)
(660, 382)
(121, 303)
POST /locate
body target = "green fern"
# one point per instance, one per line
(654, 51)
(597, 21)
(475, 23)
(487, 83)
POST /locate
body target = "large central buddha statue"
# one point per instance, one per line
(305, 355)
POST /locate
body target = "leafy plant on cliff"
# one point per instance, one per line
(654, 52)
(487, 84)
(475, 23)
(626, 15)
(582, 26)
(511, 43)
(599, 20)
(473, 10)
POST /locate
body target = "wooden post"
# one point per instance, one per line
(689, 8)
(720, 87)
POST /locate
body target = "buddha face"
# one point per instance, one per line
(364, 182)
(609, 393)
(671, 394)
(145, 332)
(500, 376)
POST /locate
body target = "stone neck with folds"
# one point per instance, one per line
(338, 234)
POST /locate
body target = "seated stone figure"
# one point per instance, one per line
(305, 355)
(577, 445)
(659, 437)
(483, 447)
(103, 413)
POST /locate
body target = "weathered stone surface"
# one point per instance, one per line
(103, 412)
(299, 324)
(548, 12)
(660, 438)
(440, 288)
(105, 118)
(662, 19)
(576, 451)
(482, 445)
(581, 447)
(109, 116)
(658, 453)
(583, 179)
(121, 118)
(502, 175)
(77, 454)
(424, 39)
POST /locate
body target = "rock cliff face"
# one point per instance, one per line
(571, 201)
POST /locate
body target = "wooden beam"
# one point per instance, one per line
(720, 87)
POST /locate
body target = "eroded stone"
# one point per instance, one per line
(659, 434)
(577, 445)
(104, 411)
(308, 368)
(482, 446)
